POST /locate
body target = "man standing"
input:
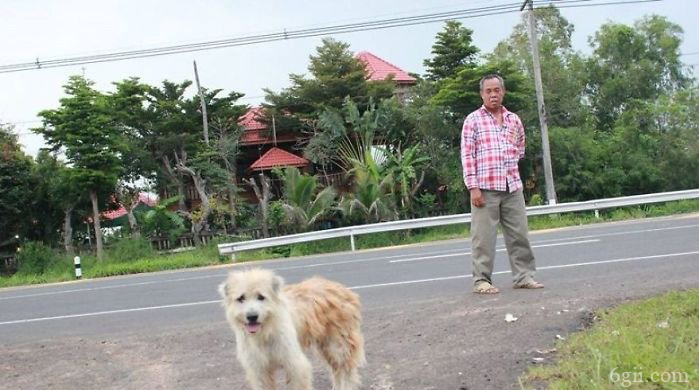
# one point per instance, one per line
(492, 142)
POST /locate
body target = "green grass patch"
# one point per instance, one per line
(128, 256)
(651, 344)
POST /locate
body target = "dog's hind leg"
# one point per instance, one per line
(344, 362)
(346, 379)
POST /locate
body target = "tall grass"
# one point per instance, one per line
(628, 345)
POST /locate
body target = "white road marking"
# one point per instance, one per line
(101, 313)
(361, 287)
(501, 249)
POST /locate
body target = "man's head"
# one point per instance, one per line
(492, 91)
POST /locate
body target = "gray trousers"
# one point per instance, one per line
(509, 211)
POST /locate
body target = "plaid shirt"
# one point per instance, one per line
(489, 153)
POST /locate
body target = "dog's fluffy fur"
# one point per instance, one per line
(274, 324)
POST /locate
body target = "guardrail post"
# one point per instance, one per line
(352, 241)
(233, 257)
(596, 213)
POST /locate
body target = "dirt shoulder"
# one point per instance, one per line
(456, 343)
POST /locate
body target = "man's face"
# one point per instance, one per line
(492, 94)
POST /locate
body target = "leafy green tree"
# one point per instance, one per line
(461, 93)
(334, 75)
(452, 51)
(57, 200)
(16, 187)
(633, 62)
(86, 131)
(562, 69)
(303, 201)
(161, 222)
(169, 125)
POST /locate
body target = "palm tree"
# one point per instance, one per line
(304, 205)
(372, 199)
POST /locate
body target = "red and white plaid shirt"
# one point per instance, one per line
(489, 153)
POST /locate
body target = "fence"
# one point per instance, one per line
(352, 231)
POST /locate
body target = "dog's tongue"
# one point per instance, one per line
(252, 328)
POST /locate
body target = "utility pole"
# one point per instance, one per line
(534, 42)
(203, 105)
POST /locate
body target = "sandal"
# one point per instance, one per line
(531, 285)
(485, 288)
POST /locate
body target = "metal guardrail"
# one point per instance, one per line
(351, 231)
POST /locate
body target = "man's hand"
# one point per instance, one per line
(477, 198)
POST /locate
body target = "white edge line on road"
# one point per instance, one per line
(627, 259)
(99, 313)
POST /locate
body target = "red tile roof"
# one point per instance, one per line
(121, 211)
(379, 69)
(256, 131)
(252, 119)
(276, 157)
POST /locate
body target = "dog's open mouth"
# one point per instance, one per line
(253, 327)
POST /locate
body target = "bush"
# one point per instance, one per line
(536, 200)
(129, 249)
(35, 258)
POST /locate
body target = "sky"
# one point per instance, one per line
(55, 29)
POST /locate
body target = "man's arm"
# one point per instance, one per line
(468, 162)
(468, 154)
(521, 139)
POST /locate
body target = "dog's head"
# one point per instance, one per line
(251, 298)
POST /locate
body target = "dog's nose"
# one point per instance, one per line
(252, 318)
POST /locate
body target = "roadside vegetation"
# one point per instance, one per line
(650, 344)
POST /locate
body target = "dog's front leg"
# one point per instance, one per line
(299, 373)
(262, 379)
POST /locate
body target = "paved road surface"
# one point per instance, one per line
(424, 328)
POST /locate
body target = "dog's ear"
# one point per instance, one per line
(223, 290)
(277, 283)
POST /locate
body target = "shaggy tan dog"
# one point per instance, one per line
(274, 324)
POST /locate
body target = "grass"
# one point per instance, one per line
(651, 344)
(131, 256)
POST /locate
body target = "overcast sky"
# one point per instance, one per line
(50, 29)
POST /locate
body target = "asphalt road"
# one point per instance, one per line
(660, 254)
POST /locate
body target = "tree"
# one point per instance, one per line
(56, 198)
(16, 185)
(335, 74)
(226, 140)
(169, 125)
(263, 197)
(460, 93)
(562, 69)
(85, 129)
(372, 198)
(639, 62)
(452, 51)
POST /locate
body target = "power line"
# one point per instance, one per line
(298, 34)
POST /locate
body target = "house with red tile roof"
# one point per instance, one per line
(379, 69)
(118, 217)
(262, 149)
